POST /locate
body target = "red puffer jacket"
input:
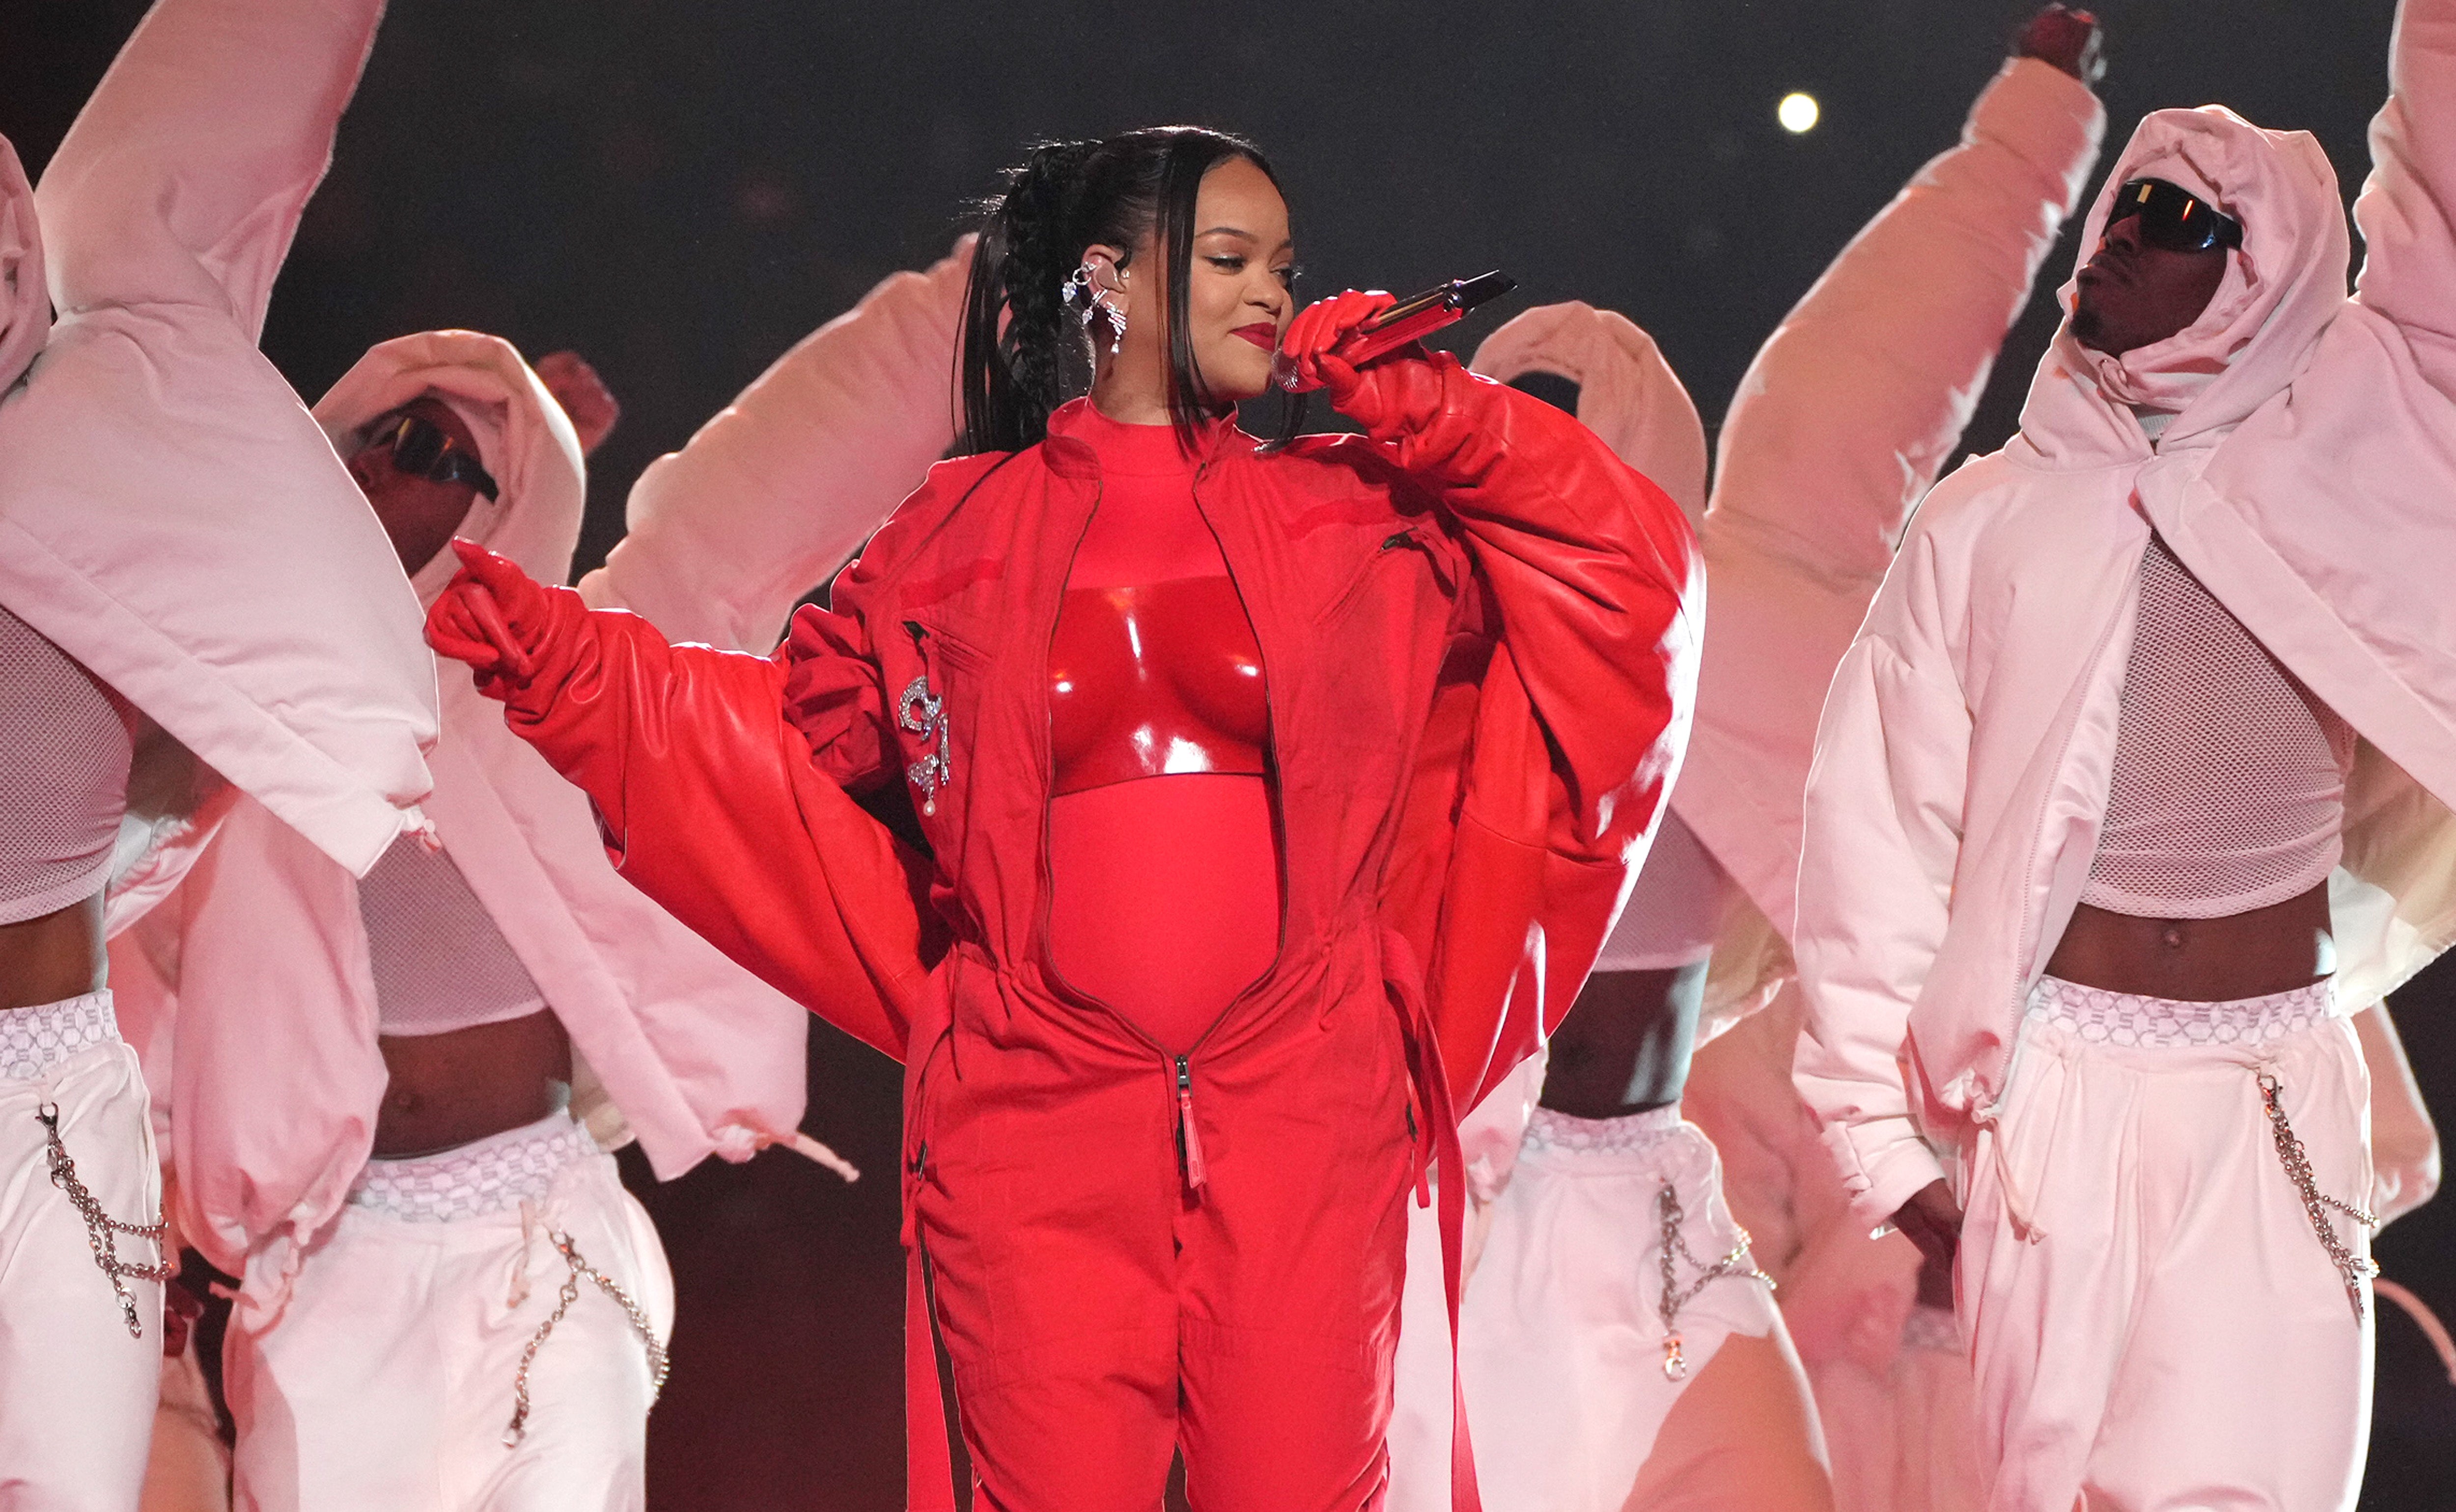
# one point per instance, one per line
(1479, 633)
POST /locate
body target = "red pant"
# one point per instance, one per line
(1101, 1314)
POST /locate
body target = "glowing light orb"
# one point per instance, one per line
(1797, 112)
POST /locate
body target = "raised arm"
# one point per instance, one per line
(1875, 880)
(784, 484)
(184, 176)
(1859, 398)
(2407, 207)
(157, 472)
(1841, 423)
(25, 300)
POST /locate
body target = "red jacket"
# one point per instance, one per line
(1479, 635)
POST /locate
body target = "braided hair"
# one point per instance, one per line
(1024, 352)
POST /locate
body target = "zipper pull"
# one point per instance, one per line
(1189, 1142)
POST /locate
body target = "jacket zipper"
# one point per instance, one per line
(2026, 944)
(1189, 1142)
(1354, 589)
(1189, 1139)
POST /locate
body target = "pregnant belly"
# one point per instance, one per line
(1165, 901)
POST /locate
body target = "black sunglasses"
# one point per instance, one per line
(419, 447)
(2173, 218)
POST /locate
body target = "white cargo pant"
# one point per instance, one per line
(1562, 1346)
(386, 1382)
(2153, 1323)
(76, 1388)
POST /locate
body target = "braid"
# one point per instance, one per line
(1037, 340)
(1017, 338)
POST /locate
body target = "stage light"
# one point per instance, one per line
(1797, 112)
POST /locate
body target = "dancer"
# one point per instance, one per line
(1166, 1216)
(371, 1081)
(1600, 1369)
(2069, 854)
(149, 670)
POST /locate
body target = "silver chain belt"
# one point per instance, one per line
(658, 1363)
(2354, 1268)
(1675, 1248)
(102, 1231)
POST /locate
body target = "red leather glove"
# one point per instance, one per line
(492, 616)
(1320, 326)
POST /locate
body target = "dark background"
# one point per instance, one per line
(680, 189)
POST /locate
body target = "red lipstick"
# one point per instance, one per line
(1261, 332)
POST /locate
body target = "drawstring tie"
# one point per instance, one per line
(2016, 1200)
(2354, 1268)
(811, 1150)
(658, 1363)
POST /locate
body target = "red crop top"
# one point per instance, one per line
(1154, 681)
(1163, 854)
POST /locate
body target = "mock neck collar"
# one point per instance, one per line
(1137, 450)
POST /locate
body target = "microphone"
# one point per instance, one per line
(1412, 319)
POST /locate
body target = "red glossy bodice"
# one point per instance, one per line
(1155, 681)
(1163, 851)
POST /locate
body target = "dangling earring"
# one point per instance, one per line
(1095, 303)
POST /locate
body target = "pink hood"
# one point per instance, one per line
(676, 1044)
(158, 479)
(523, 437)
(2280, 292)
(1628, 394)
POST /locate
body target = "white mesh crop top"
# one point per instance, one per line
(1676, 910)
(2229, 784)
(64, 757)
(440, 961)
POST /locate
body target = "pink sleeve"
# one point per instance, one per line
(185, 175)
(2407, 207)
(1840, 425)
(785, 483)
(1861, 394)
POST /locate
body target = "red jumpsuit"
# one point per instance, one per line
(1477, 628)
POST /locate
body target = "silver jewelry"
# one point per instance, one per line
(2356, 1269)
(658, 1363)
(924, 713)
(1096, 303)
(1676, 1247)
(102, 1231)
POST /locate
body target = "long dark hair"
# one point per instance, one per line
(1024, 351)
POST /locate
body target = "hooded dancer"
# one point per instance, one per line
(409, 1156)
(691, 522)
(2104, 866)
(1189, 1253)
(1599, 1369)
(151, 462)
